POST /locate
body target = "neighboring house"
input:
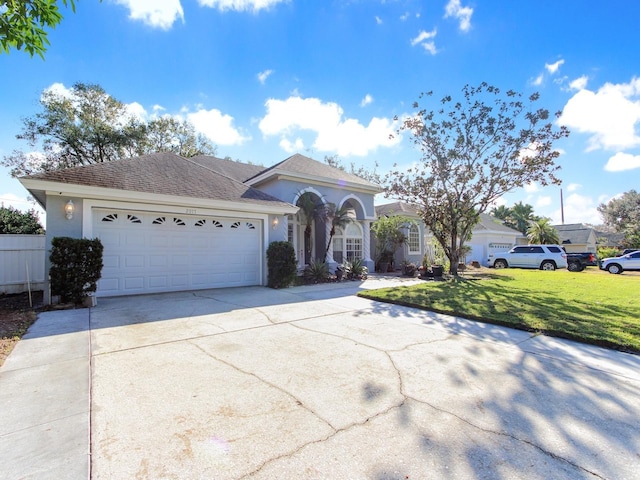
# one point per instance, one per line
(576, 238)
(414, 249)
(609, 239)
(170, 223)
(490, 235)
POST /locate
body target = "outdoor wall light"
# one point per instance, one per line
(69, 208)
(274, 223)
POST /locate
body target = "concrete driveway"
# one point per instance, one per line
(309, 383)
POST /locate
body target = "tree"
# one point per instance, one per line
(389, 235)
(89, 126)
(310, 208)
(542, 232)
(502, 212)
(167, 134)
(473, 151)
(522, 216)
(518, 217)
(623, 215)
(23, 23)
(339, 218)
(16, 222)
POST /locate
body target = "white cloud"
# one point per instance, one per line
(579, 83)
(463, 14)
(239, 5)
(573, 187)
(292, 147)
(378, 20)
(158, 108)
(154, 13)
(216, 126)
(136, 110)
(262, 76)
(424, 39)
(531, 187)
(404, 16)
(578, 209)
(58, 89)
(334, 133)
(553, 67)
(543, 201)
(538, 80)
(622, 161)
(610, 115)
(366, 100)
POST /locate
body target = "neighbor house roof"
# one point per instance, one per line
(494, 224)
(158, 173)
(574, 233)
(397, 208)
(487, 222)
(304, 168)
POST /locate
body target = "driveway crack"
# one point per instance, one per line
(508, 435)
(277, 387)
(324, 439)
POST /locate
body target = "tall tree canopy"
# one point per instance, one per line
(17, 222)
(623, 215)
(23, 24)
(519, 217)
(89, 126)
(472, 152)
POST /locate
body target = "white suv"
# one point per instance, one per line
(544, 257)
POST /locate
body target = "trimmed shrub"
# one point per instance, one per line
(76, 267)
(281, 264)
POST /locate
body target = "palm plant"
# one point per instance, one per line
(542, 232)
(310, 209)
(522, 216)
(339, 217)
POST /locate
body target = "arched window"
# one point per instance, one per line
(347, 243)
(413, 240)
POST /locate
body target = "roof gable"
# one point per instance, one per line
(305, 168)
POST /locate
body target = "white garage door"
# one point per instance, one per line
(160, 252)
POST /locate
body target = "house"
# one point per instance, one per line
(414, 248)
(489, 235)
(170, 223)
(577, 238)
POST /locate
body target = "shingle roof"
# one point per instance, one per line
(305, 166)
(573, 233)
(236, 170)
(396, 208)
(487, 222)
(162, 173)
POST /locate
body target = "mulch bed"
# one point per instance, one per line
(16, 316)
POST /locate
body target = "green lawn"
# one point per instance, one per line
(591, 306)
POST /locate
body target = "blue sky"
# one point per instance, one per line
(264, 79)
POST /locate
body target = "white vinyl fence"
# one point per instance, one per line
(21, 263)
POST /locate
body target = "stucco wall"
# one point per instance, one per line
(59, 226)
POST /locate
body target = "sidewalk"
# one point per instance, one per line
(44, 392)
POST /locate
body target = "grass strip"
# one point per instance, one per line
(592, 306)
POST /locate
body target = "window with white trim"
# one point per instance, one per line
(413, 240)
(347, 243)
